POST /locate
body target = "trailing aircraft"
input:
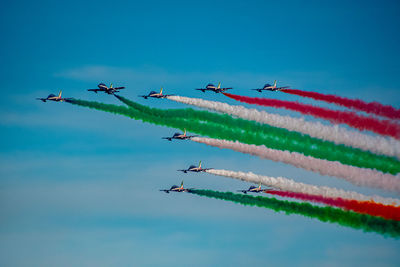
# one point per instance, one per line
(154, 94)
(176, 188)
(253, 189)
(216, 89)
(193, 168)
(179, 136)
(269, 87)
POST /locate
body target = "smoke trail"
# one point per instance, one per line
(227, 129)
(355, 175)
(363, 222)
(336, 134)
(384, 127)
(365, 207)
(290, 185)
(276, 138)
(371, 107)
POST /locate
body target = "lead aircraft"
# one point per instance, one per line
(55, 98)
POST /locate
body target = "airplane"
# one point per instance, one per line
(179, 136)
(104, 88)
(193, 168)
(253, 189)
(176, 188)
(269, 87)
(216, 89)
(155, 94)
(53, 97)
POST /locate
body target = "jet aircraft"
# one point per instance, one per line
(179, 136)
(176, 188)
(253, 189)
(154, 94)
(216, 89)
(269, 87)
(193, 168)
(53, 97)
(108, 90)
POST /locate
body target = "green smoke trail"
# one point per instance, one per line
(282, 139)
(364, 222)
(225, 127)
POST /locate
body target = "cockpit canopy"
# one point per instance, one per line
(174, 186)
(267, 85)
(210, 84)
(192, 167)
(252, 187)
(51, 95)
(176, 134)
(153, 92)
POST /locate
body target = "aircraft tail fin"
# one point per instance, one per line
(184, 132)
(219, 85)
(59, 95)
(275, 83)
(111, 85)
(200, 164)
(161, 91)
(182, 184)
(259, 186)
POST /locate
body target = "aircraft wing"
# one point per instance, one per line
(165, 190)
(95, 90)
(42, 99)
(243, 191)
(168, 138)
(227, 88)
(185, 171)
(144, 96)
(164, 96)
(118, 88)
(189, 189)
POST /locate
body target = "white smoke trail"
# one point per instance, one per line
(355, 175)
(377, 144)
(290, 185)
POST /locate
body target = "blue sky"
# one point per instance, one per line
(80, 187)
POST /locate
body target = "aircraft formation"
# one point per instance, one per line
(111, 90)
(356, 157)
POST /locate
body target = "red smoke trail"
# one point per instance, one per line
(384, 127)
(371, 107)
(366, 207)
